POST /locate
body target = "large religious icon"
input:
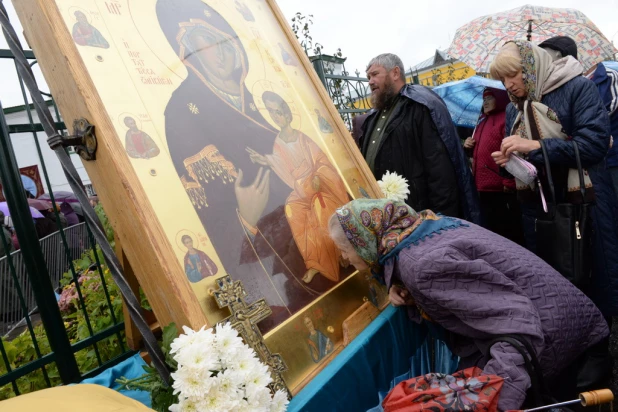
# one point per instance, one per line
(85, 34)
(248, 214)
(228, 159)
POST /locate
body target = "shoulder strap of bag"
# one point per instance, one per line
(550, 181)
(580, 171)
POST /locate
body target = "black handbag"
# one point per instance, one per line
(564, 232)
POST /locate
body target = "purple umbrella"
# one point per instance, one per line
(60, 197)
(4, 207)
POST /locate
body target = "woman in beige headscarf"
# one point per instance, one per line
(552, 102)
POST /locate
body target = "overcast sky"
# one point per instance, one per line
(415, 29)
(366, 28)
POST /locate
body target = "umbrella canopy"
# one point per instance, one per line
(611, 65)
(4, 207)
(478, 42)
(464, 98)
(29, 185)
(39, 204)
(60, 197)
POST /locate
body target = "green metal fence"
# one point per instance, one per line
(350, 94)
(58, 341)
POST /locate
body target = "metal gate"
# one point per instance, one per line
(60, 312)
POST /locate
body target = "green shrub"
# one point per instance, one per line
(21, 351)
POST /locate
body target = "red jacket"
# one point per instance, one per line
(488, 136)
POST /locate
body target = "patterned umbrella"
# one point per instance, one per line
(478, 42)
(464, 98)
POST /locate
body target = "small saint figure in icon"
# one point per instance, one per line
(139, 144)
(325, 127)
(85, 34)
(319, 344)
(198, 265)
(287, 57)
(244, 11)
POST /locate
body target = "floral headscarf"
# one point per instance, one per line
(541, 74)
(376, 226)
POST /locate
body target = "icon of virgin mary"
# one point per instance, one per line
(213, 110)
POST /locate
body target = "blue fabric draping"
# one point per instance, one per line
(464, 98)
(130, 368)
(392, 348)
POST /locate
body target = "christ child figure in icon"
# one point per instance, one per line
(198, 265)
(139, 144)
(317, 190)
(85, 34)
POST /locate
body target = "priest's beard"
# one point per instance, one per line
(380, 99)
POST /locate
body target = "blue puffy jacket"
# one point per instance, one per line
(584, 118)
(606, 79)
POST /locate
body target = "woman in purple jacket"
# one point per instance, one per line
(475, 284)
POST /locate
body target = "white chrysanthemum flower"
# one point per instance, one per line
(218, 401)
(189, 338)
(191, 381)
(227, 341)
(260, 400)
(185, 405)
(230, 383)
(280, 402)
(243, 363)
(197, 356)
(394, 187)
(257, 378)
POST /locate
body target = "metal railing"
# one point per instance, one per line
(350, 94)
(54, 347)
(58, 262)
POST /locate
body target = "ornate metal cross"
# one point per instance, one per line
(244, 318)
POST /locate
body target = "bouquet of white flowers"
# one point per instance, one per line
(394, 187)
(218, 372)
(214, 372)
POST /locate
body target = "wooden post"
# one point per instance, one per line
(138, 228)
(132, 334)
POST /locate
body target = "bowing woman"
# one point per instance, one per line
(477, 285)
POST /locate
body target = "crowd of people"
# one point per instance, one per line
(56, 216)
(463, 252)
